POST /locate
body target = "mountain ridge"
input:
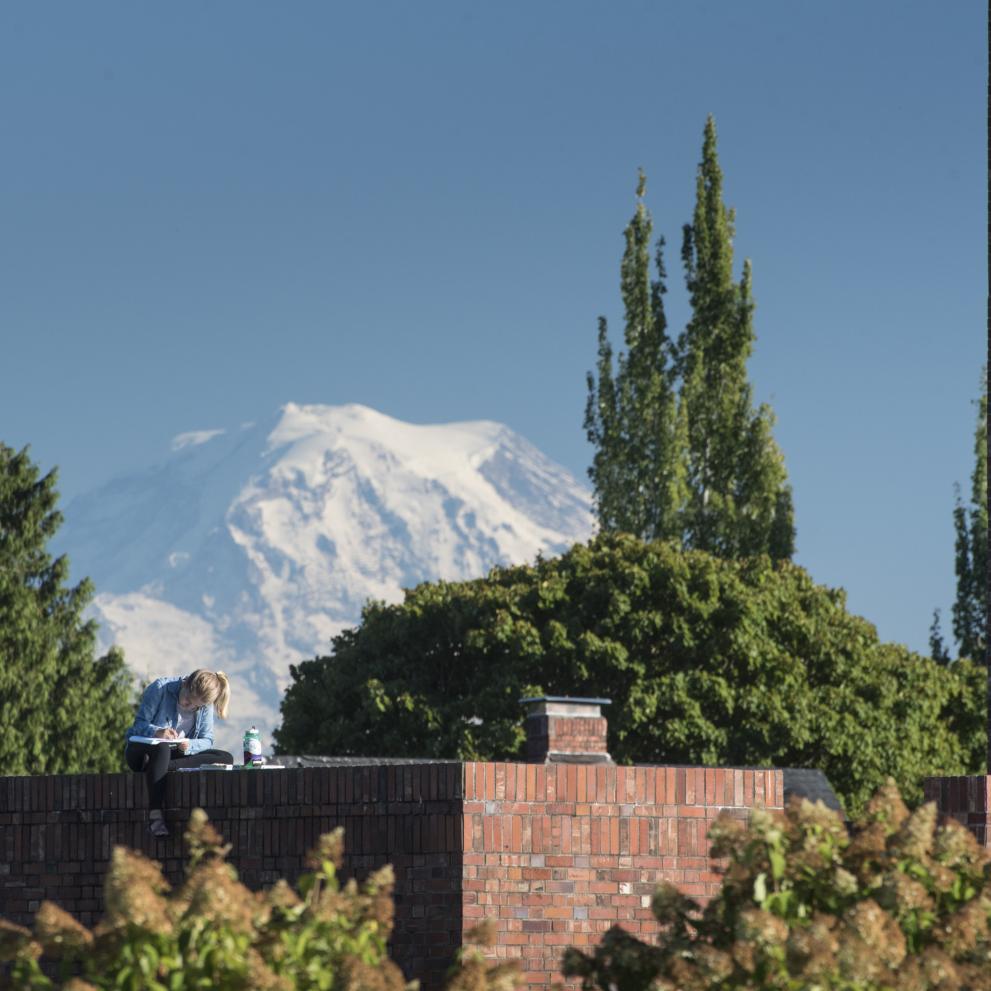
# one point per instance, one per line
(248, 549)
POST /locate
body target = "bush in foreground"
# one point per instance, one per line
(213, 933)
(898, 904)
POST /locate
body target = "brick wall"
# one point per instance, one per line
(556, 853)
(966, 799)
(56, 835)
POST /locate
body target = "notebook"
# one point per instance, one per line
(152, 740)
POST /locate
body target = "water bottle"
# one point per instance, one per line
(252, 747)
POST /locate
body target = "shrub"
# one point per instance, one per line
(900, 904)
(213, 933)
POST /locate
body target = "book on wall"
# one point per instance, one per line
(232, 767)
(154, 740)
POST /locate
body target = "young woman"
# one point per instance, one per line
(179, 710)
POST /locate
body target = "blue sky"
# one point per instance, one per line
(207, 210)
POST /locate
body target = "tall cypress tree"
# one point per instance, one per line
(631, 415)
(61, 709)
(739, 498)
(971, 527)
(701, 466)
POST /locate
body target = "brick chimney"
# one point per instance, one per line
(566, 730)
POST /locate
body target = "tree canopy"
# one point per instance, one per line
(970, 524)
(62, 710)
(680, 451)
(631, 417)
(970, 527)
(707, 661)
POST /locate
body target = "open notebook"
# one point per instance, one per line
(153, 740)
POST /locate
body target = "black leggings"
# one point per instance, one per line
(157, 759)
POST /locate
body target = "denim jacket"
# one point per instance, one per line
(159, 709)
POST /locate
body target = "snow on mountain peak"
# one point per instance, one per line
(368, 431)
(248, 550)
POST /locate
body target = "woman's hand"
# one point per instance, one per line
(166, 734)
(184, 745)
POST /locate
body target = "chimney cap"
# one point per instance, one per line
(564, 705)
(566, 698)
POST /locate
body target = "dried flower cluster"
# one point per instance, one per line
(472, 972)
(212, 932)
(901, 903)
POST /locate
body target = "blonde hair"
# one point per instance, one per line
(213, 687)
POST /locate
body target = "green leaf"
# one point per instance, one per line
(777, 861)
(760, 888)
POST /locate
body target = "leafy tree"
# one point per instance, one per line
(937, 645)
(740, 502)
(971, 527)
(971, 546)
(900, 903)
(212, 932)
(699, 466)
(61, 710)
(707, 661)
(631, 417)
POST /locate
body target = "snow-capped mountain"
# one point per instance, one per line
(248, 549)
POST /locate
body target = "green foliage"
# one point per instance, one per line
(707, 661)
(937, 646)
(698, 466)
(971, 527)
(214, 933)
(61, 710)
(740, 501)
(631, 417)
(899, 904)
